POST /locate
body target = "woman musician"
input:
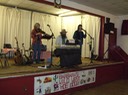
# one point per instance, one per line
(37, 34)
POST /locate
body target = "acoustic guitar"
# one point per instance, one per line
(18, 58)
(27, 57)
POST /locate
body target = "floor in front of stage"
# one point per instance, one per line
(118, 87)
(13, 69)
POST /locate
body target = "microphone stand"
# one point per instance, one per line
(90, 45)
(53, 37)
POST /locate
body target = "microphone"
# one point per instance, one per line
(48, 25)
(84, 30)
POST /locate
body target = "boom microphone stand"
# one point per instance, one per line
(90, 45)
(53, 37)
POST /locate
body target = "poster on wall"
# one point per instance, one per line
(44, 85)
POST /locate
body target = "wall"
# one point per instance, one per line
(122, 39)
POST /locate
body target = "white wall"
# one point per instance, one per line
(122, 39)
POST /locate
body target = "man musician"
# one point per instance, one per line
(62, 38)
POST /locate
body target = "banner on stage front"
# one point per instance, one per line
(58, 82)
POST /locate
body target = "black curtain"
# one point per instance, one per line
(124, 30)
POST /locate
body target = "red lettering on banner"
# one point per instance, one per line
(63, 86)
(75, 81)
(69, 80)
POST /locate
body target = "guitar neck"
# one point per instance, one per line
(18, 49)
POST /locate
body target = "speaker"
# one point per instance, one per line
(108, 27)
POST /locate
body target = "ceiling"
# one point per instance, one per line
(35, 6)
(115, 7)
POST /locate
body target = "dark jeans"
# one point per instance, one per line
(80, 48)
(37, 51)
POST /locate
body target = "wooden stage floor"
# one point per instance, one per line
(13, 70)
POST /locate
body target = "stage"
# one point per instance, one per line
(14, 70)
(26, 79)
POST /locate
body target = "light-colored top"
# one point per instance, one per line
(59, 40)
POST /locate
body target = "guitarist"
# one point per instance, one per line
(37, 35)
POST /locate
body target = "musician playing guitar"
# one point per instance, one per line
(37, 35)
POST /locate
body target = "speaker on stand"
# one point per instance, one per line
(110, 31)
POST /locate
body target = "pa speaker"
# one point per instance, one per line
(108, 27)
